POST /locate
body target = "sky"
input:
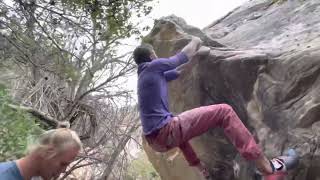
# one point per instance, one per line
(199, 13)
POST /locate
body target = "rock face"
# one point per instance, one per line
(264, 62)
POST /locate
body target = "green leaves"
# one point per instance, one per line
(112, 15)
(16, 128)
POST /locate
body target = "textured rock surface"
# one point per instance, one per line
(264, 62)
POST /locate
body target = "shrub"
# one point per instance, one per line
(17, 128)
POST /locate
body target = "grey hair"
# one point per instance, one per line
(60, 139)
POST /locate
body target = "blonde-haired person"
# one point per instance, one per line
(47, 158)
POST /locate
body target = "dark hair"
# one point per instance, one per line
(142, 53)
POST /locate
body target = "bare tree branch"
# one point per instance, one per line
(42, 116)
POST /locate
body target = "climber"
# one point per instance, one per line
(164, 131)
(47, 158)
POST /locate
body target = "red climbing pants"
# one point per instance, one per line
(195, 122)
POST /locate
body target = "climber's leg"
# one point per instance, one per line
(197, 121)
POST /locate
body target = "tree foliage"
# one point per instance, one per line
(66, 60)
(17, 129)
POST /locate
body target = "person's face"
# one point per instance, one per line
(53, 167)
(153, 55)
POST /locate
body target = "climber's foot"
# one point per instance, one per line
(281, 165)
(285, 163)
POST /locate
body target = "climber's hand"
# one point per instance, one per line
(203, 51)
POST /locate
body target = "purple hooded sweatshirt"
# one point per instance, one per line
(153, 90)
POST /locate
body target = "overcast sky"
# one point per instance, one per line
(199, 13)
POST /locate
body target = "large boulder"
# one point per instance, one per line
(265, 62)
